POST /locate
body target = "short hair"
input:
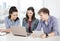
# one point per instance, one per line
(44, 10)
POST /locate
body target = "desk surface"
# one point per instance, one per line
(10, 37)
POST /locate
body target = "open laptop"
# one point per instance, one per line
(19, 31)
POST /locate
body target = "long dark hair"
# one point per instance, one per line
(33, 16)
(11, 10)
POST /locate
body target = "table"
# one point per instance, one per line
(10, 37)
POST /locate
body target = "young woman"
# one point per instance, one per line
(30, 22)
(12, 19)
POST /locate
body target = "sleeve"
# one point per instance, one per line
(55, 26)
(7, 23)
(23, 23)
(38, 26)
(18, 23)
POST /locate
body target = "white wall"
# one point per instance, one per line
(53, 6)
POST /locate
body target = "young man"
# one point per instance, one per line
(48, 23)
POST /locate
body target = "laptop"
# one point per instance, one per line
(19, 31)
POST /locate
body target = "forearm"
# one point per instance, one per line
(5, 30)
(51, 34)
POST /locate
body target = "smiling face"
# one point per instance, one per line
(14, 15)
(29, 13)
(43, 16)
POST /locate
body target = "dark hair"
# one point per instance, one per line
(11, 10)
(33, 16)
(44, 10)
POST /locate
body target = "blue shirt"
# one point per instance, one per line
(52, 25)
(34, 24)
(10, 23)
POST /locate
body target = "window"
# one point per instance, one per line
(21, 5)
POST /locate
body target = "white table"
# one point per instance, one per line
(10, 37)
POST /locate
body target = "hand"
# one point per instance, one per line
(1, 30)
(33, 35)
(51, 34)
(43, 36)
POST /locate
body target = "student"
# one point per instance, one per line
(30, 22)
(48, 23)
(11, 20)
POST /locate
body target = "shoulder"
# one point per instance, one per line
(36, 20)
(6, 18)
(53, 18)
(24, 19)
(18, 20)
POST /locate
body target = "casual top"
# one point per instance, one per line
(46, 23)
(29, 22)
(52, 25)
(10, 23)
(34, 24)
